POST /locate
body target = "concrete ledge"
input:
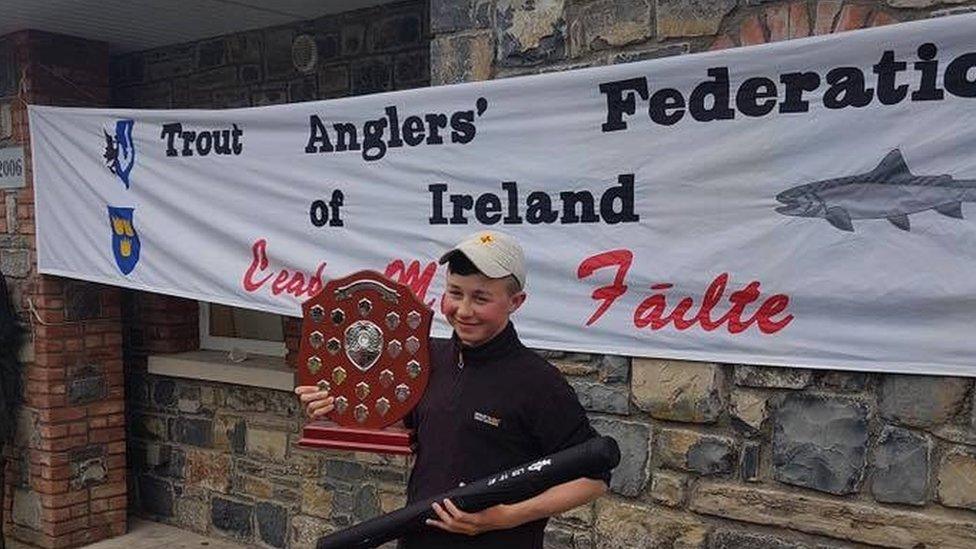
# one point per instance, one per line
(256, 371)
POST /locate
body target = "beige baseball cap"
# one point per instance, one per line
(495, 254)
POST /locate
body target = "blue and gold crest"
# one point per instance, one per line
(120, 150)
(125, 240)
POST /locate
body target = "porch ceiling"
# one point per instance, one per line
(135, 25)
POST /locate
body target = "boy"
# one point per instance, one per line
(490, 404)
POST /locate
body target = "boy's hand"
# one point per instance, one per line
(317, 402)
(457, 521)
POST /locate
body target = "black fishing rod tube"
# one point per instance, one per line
(593, 457)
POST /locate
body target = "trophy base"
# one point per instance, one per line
(391, 440)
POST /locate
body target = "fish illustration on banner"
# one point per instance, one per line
(889, 191)
(120, 151)
(125, 240)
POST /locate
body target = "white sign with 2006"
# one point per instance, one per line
(11, 167)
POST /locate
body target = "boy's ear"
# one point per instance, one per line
(516, 301)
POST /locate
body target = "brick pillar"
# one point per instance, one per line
(67, 484)
(75, 490)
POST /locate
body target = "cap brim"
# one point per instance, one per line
(485, 264)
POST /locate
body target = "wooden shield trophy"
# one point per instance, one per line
(365, 342)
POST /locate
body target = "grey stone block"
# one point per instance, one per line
(372, 75)
(333, 78)
(329, 46)
(674, 448)
(211, 53)
(244, 47)
(734, 539)
(237, 436)
(13, 240)
(411, 69)
(820, 443)
(772, 377)
(27, 508)
(246, 399)
(750, 462)
(748, 409)
(87, 389)
(196, 432)
(668, 488)
(303, 89)
(352, 40)
(232, 517)
(222, 77)
(171, 462)
(249, 74)
(88, 467)
(277, 55)
(634, 439)
(272, 523)
(164, 392)
(10, 210)
(559, 537)
(922, 401)
(150, 427)
(306, 531)
(901, 463)
(15, 263)
(344, 471)
(396, 32)
(711, 455)
(286, 495)
(597, 397)
(957, 478)
(530, 33)
(367, 504)
(614, 369)
(455, 15)
(679, 390)
(606, 24)
(845, 382)
(463, 58)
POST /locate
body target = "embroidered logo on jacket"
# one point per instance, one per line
(485, 418)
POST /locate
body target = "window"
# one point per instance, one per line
(237, 346)
(225, 328)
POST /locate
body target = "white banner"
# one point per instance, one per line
(799, 203)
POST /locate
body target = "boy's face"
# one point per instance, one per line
(478, 307)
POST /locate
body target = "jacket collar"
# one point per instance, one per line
(506, 342)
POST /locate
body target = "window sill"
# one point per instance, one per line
(257, 371)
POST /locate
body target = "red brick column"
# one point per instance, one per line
(66, 486)
(75, 489)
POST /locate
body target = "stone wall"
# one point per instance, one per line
(735, 456)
